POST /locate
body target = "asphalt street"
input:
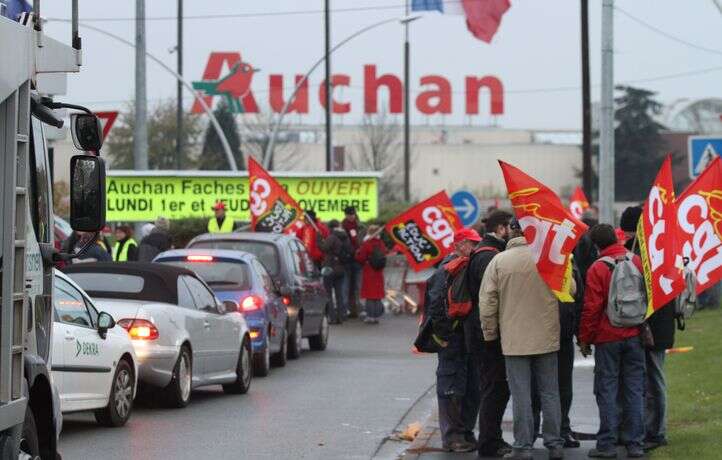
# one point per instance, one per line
(339, 403)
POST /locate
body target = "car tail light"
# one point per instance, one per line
(286, 300)
(255, 333)
(251, 303)
(139, 329)
(200, 258)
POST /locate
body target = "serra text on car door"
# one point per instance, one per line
(195, 322)
(87, 367)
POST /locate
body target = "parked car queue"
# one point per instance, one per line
(228, 308)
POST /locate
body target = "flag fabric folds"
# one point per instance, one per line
(550, 229)
(272, 208)
(425, 232)
(656, 236)
(699, 226)
(578, 203)
(483, 17)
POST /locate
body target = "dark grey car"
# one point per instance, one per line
(295, 274)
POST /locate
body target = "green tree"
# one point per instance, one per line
(213, 156)
(161, 138)
(638, 145)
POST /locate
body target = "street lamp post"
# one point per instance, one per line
(268, 154)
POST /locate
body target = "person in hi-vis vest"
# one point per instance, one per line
(220, 223)
(125, 248)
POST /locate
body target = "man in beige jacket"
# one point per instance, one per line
(516, 304)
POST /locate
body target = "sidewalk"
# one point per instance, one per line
(584, 418)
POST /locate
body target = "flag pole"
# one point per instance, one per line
(407, 105)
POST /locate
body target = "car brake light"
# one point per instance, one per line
(251, 303)
(139, 329)
(199, 258)
(255, 333)
(286, 300)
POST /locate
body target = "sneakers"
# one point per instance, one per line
(651, 445)
(517, 454)
(635, 452)
(570, 442)
(596, 453)
(557, 453)
(497, 451)
(461, 446)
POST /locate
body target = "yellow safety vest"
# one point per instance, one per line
(123, 256)
(226, 226)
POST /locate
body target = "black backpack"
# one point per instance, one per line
(377, 259)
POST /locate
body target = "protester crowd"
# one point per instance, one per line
(499, 330)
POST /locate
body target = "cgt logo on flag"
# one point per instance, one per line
(578, 203)
(550, 229)
(425, 232)
(272, 208)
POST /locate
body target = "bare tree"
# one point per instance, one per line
(379, 150)
(256, 130)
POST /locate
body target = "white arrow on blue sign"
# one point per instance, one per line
(467, 207)
(702, 150)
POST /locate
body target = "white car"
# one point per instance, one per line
(183, 335)
(93, 362)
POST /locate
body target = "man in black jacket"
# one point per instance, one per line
(493, 385)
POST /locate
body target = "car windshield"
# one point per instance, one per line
(109, 282)
(217, 274)
(266, 252)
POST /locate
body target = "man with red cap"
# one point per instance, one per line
(457, 375)
(220, 223)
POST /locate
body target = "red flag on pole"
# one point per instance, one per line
(483, 17)
(699, 225)
(550, 229)
(272, 208)
(425, 232)
(578, 203)
(656, 236)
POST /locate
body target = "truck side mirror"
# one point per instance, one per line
(87, 193)
(87, 132)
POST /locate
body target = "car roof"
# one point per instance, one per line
(218, 253)
(244, 236)
(160, 280)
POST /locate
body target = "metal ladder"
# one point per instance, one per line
(14, 151)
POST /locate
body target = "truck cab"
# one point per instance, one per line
(33, 63)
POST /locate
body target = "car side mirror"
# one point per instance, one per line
(87, 193)
(105, 322)
(230, 306)
(87, 132)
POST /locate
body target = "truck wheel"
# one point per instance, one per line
(262, 360)
(319, 341)
(178, 392)
(120, 401)
(295, 340)
(29, 443)
(244, 373)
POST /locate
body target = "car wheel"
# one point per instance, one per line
(29, 447)
(295, 340)
(262, 360)
(178, 391)
(244, 373)
(120, 401)
(280, 358)
(319, 341)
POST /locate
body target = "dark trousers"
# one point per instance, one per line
(612, 360)
(565, 359)
(494, 398)
(336, 284)
(353, 273)
(457, 391)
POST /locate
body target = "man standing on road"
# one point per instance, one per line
(493, 385)
(220, 223)
(157, 241)
(337, 249)
(618, 355)
(353, 229)
(516, 304)
(125, 248)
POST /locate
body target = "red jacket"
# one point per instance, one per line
(308, 235)
(595, 327)
(372, 281)
(352, 228)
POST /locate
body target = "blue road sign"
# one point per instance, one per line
(467, 206)
(702, 150)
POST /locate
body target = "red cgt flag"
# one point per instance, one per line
(272, 208)
(578, 203)
(425, 232)
(699, 225)
(483, 17)
(657, 242)
(550, 229)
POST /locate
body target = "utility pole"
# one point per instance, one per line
(606, 135)
(407, 110)
(328, 86)
(179, 90)
(586, 104)
(140, 137)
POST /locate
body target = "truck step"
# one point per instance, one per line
(21, 138)
(21, 191)
(19, 243)
(17, 349)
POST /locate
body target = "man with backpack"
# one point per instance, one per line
(337, 254)
(615, 303)
(493, 385)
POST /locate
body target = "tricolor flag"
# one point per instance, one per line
(482, 16)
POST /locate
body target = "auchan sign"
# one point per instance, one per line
(435, 96)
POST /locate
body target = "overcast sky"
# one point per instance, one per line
(537, 48)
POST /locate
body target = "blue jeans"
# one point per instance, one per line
(619, 370)
(656, 409)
